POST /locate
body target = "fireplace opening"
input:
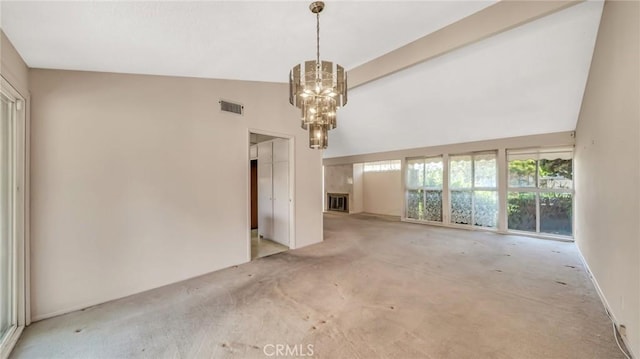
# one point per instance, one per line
(338, 202)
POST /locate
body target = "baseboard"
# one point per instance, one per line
(87, 305)
(603, 299)
(40, 317)
(386, 217)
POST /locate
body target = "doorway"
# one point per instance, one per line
(270, 199)
(254, 194)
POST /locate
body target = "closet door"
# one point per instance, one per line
(280, 152)
(281, 198)
(265, 190)
(281, 202)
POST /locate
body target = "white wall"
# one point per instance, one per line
(358, 189)
(501, 86)
(383, 193)
(338, 179)
(140, 181)
(608, 169)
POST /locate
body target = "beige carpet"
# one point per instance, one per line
(373, 289)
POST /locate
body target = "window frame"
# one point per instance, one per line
(472, 189)
(424, 189)
(19, 212)
(537, 190)
(382, 166)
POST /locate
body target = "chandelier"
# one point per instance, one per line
(318, 91)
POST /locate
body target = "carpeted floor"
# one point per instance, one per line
(373, 289)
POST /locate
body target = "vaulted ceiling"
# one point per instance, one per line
(527, 80)
(241, 40)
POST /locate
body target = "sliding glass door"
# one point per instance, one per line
(540, 192)
(12, 258)
(7, 312)
(473, 189)
(423, 185)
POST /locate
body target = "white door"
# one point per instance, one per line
(280, 152)
(281, 202)
(273, 190)
(265, 190)
(281, 198)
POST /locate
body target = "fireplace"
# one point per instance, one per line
(338, 202)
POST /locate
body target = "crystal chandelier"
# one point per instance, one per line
(319, 91)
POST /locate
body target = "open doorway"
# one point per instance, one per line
(270, 199)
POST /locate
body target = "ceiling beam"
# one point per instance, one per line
(497, 18)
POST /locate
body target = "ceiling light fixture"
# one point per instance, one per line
(318, 92)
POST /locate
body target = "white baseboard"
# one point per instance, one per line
(603, 299)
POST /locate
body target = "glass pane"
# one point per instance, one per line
(522, 173)
(415, 173)
(6, 237)
(461, 207)
(485, 208)
(382, 166)
(556, 173)
(485, 171)
(556, 213)
(521, 210)
(415, 205)
(433, 173)
(433, 206)
(460, 172)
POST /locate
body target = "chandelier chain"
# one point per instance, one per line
(318, 39)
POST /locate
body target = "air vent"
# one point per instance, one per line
(232, 107)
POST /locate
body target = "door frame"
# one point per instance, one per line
(20, 177)
(292, 172)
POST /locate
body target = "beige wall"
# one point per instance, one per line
(383, 193)
(140, 181)
(608, 169)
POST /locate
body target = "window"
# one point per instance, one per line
(540, 193)
(473, 189)
(424, 189)
(382, 166)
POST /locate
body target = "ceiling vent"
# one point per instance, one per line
(232, 107)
